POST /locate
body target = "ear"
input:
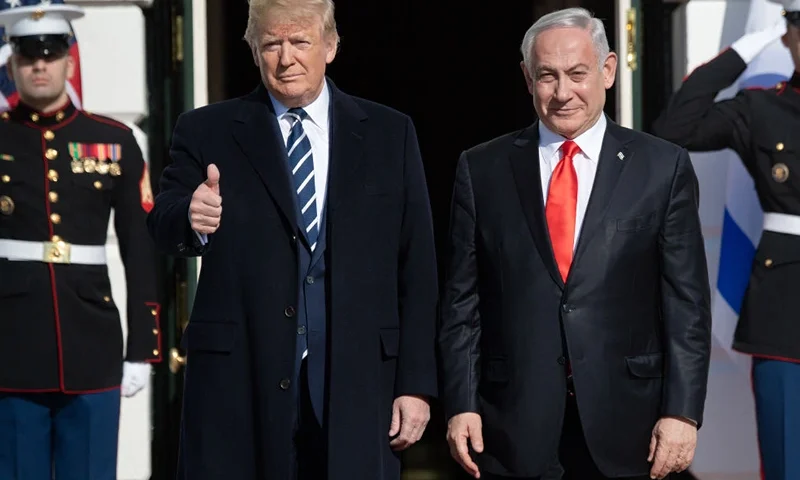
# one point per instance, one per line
(10, 68)
(254, 51)
(610, 70)
(331, 46)
(70, 66)
(528, 77)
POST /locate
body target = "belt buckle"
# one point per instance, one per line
(56, 252)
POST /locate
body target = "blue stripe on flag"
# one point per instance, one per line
(735, 263)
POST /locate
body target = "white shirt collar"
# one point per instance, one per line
(317, 110)
(590, 141)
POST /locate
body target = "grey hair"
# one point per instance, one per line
(568, 17)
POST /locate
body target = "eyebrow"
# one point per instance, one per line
(548, 68)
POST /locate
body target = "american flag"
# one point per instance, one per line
(8, 92)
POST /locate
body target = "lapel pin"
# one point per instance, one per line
(620, 155)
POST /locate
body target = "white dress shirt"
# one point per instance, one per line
(316, 125)
(590, 142)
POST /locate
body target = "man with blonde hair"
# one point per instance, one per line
(575, 331)
(311, 343)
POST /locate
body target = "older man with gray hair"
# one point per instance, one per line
(311, 344)
(575, 334)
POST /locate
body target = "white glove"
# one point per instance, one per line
(134, 377)
(750, 45)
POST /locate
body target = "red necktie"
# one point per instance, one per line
(562, 200)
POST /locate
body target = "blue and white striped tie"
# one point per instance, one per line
(301, 162)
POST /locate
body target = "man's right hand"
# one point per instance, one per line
(750, 45)
(205, 209)
(463, 428)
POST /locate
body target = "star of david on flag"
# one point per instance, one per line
(8, 91)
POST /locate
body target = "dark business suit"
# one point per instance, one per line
(632, 318)
(243, 385)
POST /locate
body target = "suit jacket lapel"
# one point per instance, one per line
(259, 136)
(614, 155)
(525, 165)
(346, 150)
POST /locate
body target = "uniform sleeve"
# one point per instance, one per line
(695, 121)
(133, 199)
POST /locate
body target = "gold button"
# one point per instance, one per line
(106, 299)
(52, 175)
(5, 115)
(768, 262)
(59, 116)
(55, 253)
(97, 184)
(55, 218)
(155, 331)
(55, 239)
(779, 146)
(155, 352)
(34, 117)
(6, 179)
(6, 205)
(154, 312)
(53, 196)
(51, 154)
(49, 135)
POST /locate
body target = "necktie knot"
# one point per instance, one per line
(297, 113)
(569, 149)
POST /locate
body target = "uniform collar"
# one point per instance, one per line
(27, 114)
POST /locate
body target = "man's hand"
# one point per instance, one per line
(134, 377)
(751, 44)
(460, 429)
(410, 415)
(205, 210)
(672, 446)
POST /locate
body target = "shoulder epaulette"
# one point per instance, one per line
(106, 120)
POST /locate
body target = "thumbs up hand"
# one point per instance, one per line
(205, 209)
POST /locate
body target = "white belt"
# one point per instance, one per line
(782, 223)
(52, 252)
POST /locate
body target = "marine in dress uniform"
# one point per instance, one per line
(763, 127)
(62, 170)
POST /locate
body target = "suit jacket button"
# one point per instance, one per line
(562, 360)
(566, 308)
(285, 384)
(289, 312)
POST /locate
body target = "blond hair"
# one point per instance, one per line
(290, 10)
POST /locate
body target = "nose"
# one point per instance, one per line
(287, 55)
(40, 64)
(563, 90)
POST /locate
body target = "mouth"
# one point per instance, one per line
(565, 112)
(289, 78)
